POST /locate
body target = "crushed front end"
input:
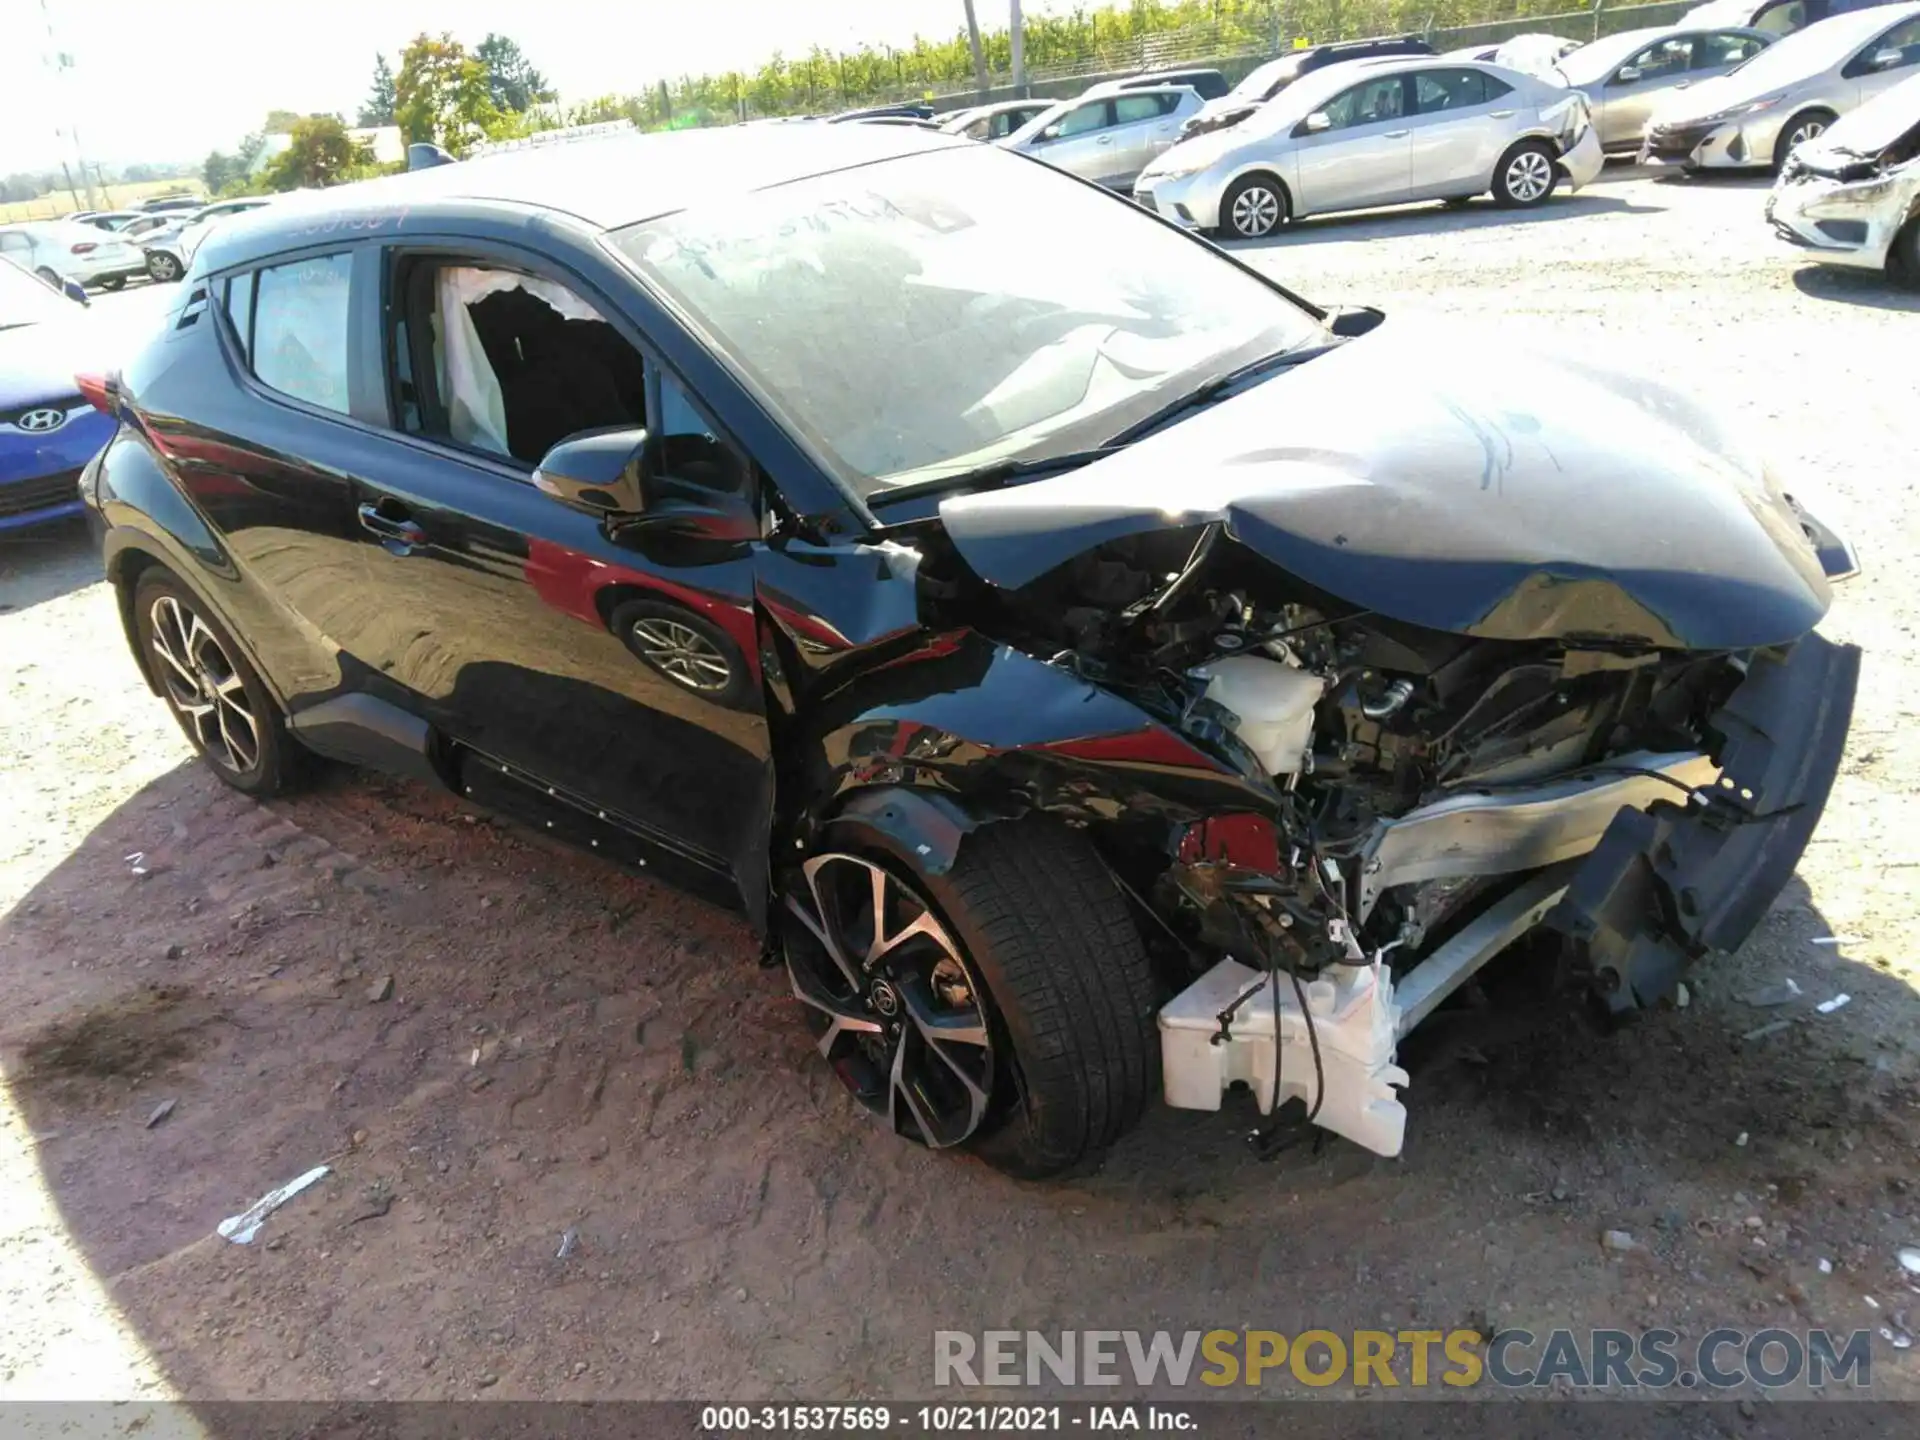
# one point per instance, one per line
(1848, 209)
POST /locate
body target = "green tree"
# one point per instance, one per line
(442, 95)
(377, 108)
(220, 170)
(321, 152)
(512, 82)
(280, 122)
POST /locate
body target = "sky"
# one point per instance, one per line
(172, 81)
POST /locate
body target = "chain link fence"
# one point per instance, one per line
(1065, 56)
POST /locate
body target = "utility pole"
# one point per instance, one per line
(59, 62)
(1016, 31)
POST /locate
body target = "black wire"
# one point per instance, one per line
(1313, 1039)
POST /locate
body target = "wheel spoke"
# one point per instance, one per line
(243, 752)
(822, 929)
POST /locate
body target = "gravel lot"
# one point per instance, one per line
(569, 1048)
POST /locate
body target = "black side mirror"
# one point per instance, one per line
(1351, 320)
(599, 472)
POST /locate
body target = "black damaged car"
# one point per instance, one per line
(1095, 670)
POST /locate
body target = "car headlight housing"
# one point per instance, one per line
(1741, 112)
(1175, 170)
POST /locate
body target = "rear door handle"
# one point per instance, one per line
(1501, 114)
(1396, 134)
(1104, 140)
(400, 533)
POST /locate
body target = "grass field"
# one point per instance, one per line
(111, 197)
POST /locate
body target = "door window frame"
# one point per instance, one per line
(1406, 107)
(496, 255)
(364, 401)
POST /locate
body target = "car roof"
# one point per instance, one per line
(607, 182)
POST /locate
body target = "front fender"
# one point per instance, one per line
(975, 730)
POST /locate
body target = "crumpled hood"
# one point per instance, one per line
(1468, 487)
(1886, 120)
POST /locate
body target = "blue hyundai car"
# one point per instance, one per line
(48, 427)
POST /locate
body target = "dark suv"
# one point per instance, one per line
(1270, 79)
(1085, 664)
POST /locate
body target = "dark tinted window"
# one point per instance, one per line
(300, 329)
(1368, 104)
(1132, 109)
(1436, 90)
(1084, 120)
(1710, 52)
(1659, 60)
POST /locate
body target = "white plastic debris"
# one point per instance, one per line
(1871, 1302)
(1682, 997)
(1354, 1020)
(569, 1240)
(1910, 1259)
(1826, 1266)
(241, 1228)
(1827, 1007)
(1837, 939)
(1768, 996)
(1741, 1140)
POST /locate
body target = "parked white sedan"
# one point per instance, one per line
(57, 250)
(1378, 132)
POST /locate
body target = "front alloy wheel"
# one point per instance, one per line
(1253, 208)
(163, 267)
(895, 1006)
(1003, 1001)
(204, 687)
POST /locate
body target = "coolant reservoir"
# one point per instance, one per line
(1274, 705)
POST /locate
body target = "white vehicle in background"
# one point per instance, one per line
(995, 121)
(1532, 54)
(1378, 132)
(1788, 93)
(58, 250)
(171, 249)
(1626, 77)
(1851, 196)
(1108, 138)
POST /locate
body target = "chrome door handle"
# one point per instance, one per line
(1104, 140)
(1501, 114)
(1396, 134)
(1683, 85)
(399, 533)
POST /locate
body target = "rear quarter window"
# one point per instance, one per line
(298, 341)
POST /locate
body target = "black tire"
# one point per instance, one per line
(1071, 991)
(1903, 256)
(683, 647)
(1526, 175)
(1457, 202)
(163, 268)
(273, 762)
(1254, 207)
(114, 282)
(1801, 128)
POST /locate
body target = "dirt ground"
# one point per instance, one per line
(495, 1043)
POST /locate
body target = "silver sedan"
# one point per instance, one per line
(1108, 135)
(1626, 77)
(1378, 132)
(1788, 93)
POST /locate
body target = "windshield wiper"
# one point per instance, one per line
(1000, 472)
(1213, 389)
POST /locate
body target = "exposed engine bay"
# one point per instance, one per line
(1433, 796)
(1355, 718)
